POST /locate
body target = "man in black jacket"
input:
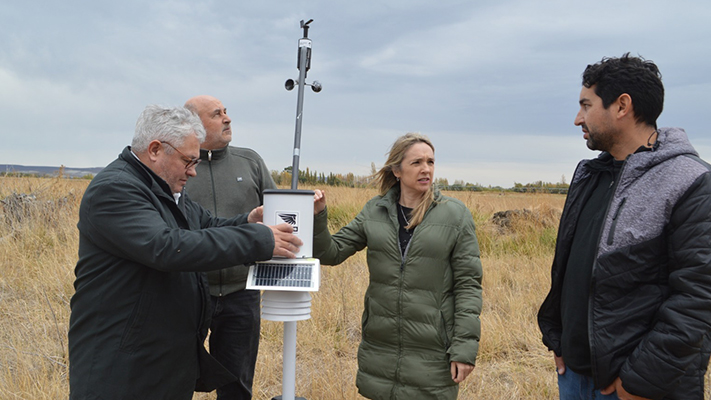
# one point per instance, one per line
(231, 180)
(140, 311)
(628, 315)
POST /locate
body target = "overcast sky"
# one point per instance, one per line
(494, 84)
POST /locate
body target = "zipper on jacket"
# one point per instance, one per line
(404, 254)
(615, 183)
(399, 321)
(214, 207)
(212, 182)
(611, 235)
(399, 298)
(399, 302)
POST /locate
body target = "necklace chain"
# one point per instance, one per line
(402, 211)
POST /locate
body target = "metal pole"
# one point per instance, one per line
(288, 385)
(304, 64)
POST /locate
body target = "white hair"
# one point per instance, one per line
(170, 125)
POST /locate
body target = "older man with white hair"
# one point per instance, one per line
(140, 312)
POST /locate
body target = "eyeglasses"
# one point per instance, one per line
(189, 161)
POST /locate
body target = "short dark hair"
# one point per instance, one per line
(637, 77)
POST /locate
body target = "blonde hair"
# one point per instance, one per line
(385, 178)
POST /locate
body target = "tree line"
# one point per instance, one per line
(309, 177)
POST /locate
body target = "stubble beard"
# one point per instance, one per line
(602, 140)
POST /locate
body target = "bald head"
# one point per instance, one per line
(215, 120)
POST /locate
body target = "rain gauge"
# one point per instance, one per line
(287, 282)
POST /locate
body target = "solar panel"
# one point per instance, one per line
(301, 274)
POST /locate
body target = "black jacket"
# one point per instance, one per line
(140, 311)
(649, 311)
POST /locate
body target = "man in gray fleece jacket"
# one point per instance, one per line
(230, 181)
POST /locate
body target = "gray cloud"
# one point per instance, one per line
(494, 84)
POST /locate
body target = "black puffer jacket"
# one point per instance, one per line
(649, 312)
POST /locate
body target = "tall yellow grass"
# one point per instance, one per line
(38, 251)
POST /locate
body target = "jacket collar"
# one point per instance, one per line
(157, 184)
(213, 155)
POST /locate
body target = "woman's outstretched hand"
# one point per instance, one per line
(319, 201)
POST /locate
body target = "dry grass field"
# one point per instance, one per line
(38, 250)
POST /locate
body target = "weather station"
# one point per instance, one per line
(287, 283)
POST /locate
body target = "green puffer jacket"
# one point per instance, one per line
(421, 310)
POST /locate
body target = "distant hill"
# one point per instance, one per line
(48, 171)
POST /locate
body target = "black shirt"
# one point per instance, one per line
(575, 341)
(404, 215)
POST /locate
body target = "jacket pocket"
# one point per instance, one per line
(132, 332)
(364, 320)
(444, 335)
(613, 226)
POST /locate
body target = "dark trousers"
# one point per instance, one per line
(234, 340)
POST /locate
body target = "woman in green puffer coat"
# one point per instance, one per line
(421, 328)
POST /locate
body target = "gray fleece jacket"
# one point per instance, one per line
(229, 181)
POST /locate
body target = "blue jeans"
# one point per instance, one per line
(234, 340)
(572, 386)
